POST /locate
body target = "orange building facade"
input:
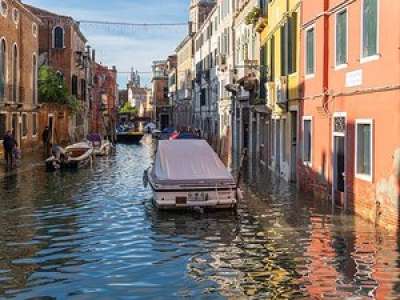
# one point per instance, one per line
(350, 113)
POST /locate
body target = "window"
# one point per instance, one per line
(34, 79)
(3, 63)
(15, 15)
(292, 47)
(24, 125)
(3, 124)
(272, 59)
(15, 74)
(74, 85)
(310, 51)
(341, 38)
(307, 140)
(34, 124)
(364, 149)
(370, 28)
(58, 37)
(3, 8)
(34, 29)
(284, 49)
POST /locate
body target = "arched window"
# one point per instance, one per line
(58, 37)
(3, 63)
(15, 73)
(34, 79)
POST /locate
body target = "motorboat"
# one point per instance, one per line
(72, 157)
(189, 174)
(129, 137)
(100, 147)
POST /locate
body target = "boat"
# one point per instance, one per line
(129, 137)
(100, 147)
(72, 157)
(189, 174)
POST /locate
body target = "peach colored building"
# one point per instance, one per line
(350, 112)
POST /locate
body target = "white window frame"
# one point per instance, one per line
(342, 66)
(35, 29)
(311, 75)
(307, 163)
(5, 12)
(35, 117)
(376, 56)
(24, 137)
(364, 177)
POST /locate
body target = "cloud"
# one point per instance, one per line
(124, 46)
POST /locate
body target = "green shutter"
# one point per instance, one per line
(310, 51)
(370, 27)
(341, 38)
(292, 59)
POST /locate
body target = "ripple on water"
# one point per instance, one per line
(95, 234)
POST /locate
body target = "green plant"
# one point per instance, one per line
(253, 16)
(74, 104)
(51, 87)
(127, 108)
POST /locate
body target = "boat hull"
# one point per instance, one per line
(129, 138)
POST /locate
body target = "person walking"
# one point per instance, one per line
(9, 144)
(46, 140)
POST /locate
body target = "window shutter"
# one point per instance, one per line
(341, 38)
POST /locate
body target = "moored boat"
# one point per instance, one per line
(72, 157)
(189, 174)
(129, 137)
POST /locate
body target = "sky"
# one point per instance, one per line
(122, 46)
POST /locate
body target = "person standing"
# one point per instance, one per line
(9, 144)
(46, 140)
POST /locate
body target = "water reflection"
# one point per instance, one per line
(95, 234)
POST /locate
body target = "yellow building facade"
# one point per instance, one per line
(280, 57)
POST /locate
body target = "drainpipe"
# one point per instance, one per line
(325, 89)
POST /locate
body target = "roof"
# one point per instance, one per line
(189, 162)
(46, 15)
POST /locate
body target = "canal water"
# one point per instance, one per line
(94, 234)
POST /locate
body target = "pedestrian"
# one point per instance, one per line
(46, 140)
(9, 144)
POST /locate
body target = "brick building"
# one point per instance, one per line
(104, 102)
(62, 46)
(350, 125)
(18, 73)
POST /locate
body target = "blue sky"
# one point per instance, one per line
(126, 47)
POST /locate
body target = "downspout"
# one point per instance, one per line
(325, 91)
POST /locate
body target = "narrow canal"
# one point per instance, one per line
(94, 234)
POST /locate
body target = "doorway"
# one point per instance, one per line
(164, 121)
(293, 152)
(16, 128)
(51, 128)
(339, 161)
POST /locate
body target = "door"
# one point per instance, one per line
(51, 129)
(15, 128)
(293, 152)
(339, 170)
(164, 121)
(278, 145)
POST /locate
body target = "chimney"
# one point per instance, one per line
(94, 55)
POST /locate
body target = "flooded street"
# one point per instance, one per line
(94, 234)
